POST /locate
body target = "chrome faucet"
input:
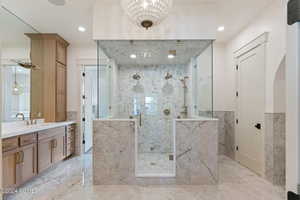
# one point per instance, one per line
(22, 115)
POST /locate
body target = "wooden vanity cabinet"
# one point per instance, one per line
(20, 163)
(61, 88)
(70, 140)
(58, 152)
(53, 50)
(28, 163)
(27, 155)
(9, 169)
(44, 154)
(51, 147)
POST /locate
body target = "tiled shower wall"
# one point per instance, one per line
(157, 94)
(226, 129)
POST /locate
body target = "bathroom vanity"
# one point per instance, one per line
(30, 150)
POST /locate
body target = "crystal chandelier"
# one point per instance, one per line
(147, 13)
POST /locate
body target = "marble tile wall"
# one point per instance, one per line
(151, 95)
(196, 153)
(226, 129)
(73, 116)
(275, 148)
(113, 152)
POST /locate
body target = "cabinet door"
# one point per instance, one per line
(58, 152)
(61, 52)
(61, 107)
(28, 162)
(9, 169)
(44, 155)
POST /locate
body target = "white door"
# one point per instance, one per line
(250, 109)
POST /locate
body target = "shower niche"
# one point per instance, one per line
(155, 82)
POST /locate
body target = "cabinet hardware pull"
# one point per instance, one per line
(22, 157)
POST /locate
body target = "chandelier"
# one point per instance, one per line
(147, 13)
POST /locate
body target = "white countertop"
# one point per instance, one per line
(14, 129)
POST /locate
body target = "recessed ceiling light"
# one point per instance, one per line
(58, 2)
(133, 56)
(81, 29)
(221, 28)
(171, 56)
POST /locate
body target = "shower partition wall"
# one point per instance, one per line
(156, 82)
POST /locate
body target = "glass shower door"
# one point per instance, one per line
(155, 152)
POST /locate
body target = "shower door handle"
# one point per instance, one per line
(140, 119)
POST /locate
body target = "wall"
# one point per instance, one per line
(180, 24)
(204, 63)
(77, 54)
(273, 21)
(219, 78)
(21, 52)
(292, 108)
(0, 119)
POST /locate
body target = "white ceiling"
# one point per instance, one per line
(13, 30)
(47, 18)
(154, 52)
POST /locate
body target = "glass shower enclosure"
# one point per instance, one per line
(156, 82)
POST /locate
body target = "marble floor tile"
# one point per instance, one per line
(72, 180)
(155, 163)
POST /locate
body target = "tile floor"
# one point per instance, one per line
(155, 163)
(72, 180)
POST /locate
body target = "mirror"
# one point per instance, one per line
(17, 71)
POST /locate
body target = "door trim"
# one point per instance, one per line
(261, 39)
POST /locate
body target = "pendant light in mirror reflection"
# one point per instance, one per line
(17, 88)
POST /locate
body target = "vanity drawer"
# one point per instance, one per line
(51, 132)
(10, 144)
(27, 139)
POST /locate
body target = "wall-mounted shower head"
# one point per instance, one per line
(168, 76)
(183, 81)
(136, 77)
